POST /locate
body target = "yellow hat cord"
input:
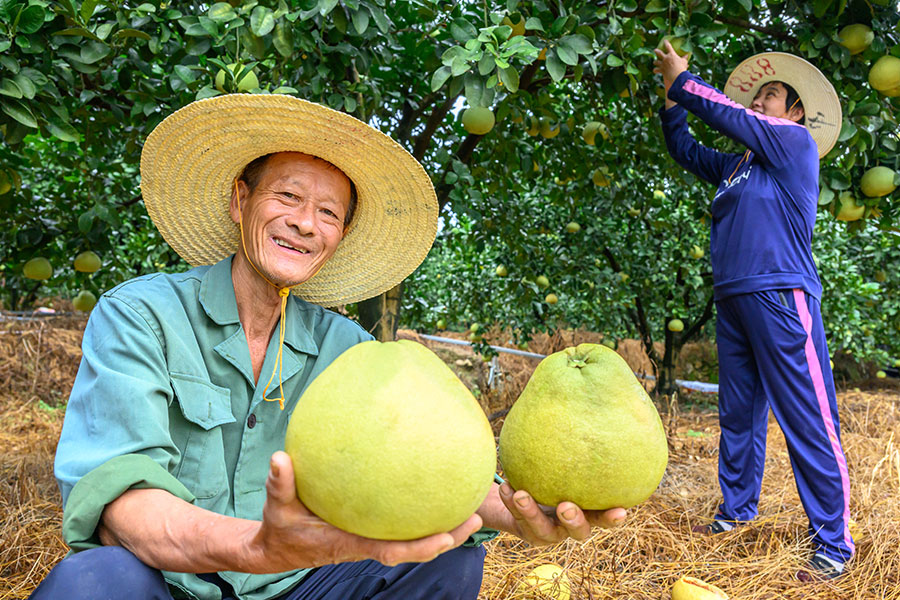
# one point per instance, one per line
(284, 292)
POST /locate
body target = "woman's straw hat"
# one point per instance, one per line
(820, 102)
(190, 160)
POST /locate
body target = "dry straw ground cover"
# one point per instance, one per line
(641, 560)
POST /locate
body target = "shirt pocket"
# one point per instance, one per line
(206, 407)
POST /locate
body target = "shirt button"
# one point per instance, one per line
(251, 421)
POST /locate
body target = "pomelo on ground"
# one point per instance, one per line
(84, 301)
(38, 268)
(388, 443)
(856, 37)
(87, 262)
(849, 209)
(547, 581)
(584, 430)
(478, 120)
(878, 181)
(691, 588)
(885, 73)
(880, 374)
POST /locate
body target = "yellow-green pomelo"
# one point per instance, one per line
(38, 268)
(584, 430)
(691, 588)
(590, 131)
(478, 120)
(849, 209)
(547, 581)
(573, 227)
(501, 271)
(87, 262)
(676, 325)
(696, 252)
(248, 82)
(388, 443)
(84, 301)
(551, 299)
(856, 37)
(542, 282)
(877, 181)
(885, 73)
(677, 45)
(548, 129)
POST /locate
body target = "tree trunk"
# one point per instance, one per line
(380, 315)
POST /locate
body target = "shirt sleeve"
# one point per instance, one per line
(115, 435)
(775, 141)
(705, 163)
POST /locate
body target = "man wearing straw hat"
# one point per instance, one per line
(771, 342)
(169, 462)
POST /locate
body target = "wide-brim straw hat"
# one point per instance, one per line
(190, 160)
(820, 102)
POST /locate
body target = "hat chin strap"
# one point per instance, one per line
(284, 292)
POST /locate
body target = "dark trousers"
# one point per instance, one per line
(773, 354)
(114, 573)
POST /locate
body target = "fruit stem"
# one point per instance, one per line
(575, 359)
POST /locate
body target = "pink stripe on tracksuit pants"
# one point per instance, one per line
(773, 354)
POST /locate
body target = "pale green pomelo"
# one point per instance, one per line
(584, 430)
(856, 37)
(849, 210)
(877, 181)
(388, 443)
(885, 73)
(478, 120)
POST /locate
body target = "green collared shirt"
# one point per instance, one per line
(165, 398)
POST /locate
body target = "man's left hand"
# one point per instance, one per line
(543, 525)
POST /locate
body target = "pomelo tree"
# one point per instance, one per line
(82, 84)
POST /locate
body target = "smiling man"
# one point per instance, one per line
(170, 462)
(769, 333)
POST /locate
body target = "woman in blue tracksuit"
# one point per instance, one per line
(769, 333)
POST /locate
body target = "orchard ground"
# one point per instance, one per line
(641, 560)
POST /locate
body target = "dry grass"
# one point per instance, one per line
(640, 560)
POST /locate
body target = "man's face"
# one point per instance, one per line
(294, 220)
(771, 100)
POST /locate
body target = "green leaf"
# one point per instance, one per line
(534, 24)
(820, 7)
(462, 30)
(104, 30)
(567, 55)
(146, 7)
(261, 21)
(326, 6)
(614, 61)
(32, 18)
(221, 12)
(93, 52)
(381, 19)
(474, 90)
(825, 196)
(626, 5)
(285, 89)
(283, 38)
(439, 78)
(577, 43)
(848, 130)
(555, 66)
(26, 85)
(655, 6)
(86, 221)
(10, 88)
(459, 66)
(63, 131)
(19, 112)
(486, 64)
(350, 104)
(360, 20)
(132, 33)
(510, 78)
(186, 74)
(87, 9)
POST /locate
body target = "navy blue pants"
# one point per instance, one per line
(114, 573)
(773, 353)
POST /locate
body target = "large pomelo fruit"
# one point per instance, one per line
(388, 443)
(584, 430)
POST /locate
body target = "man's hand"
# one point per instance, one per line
(517, 512)
(291, 537)
(670, 65)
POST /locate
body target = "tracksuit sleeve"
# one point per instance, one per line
(705, 163)
(771, 139)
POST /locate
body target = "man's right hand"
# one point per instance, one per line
(291, 536)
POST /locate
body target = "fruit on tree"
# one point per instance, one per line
(849, 209)
(659, 195)
(475, 327)
(475, 337)
(590, 131)
(542, 282)
(517, 28)
(551, 299)
(696, 252)
(84, 301)
(678, 44)
(878, 181)
(548, 129)
(675, 325)
(880, 276)
(248, 82)
(501, 271)
(388, 443)
(545, 582)
(441, 324)
(573, 227)
(478, 120)
(691, 588)
(599, 178)
(534, 127)
(87, 262)
(38, 268)
(584, 430)
(856, 37)
(885, 73)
